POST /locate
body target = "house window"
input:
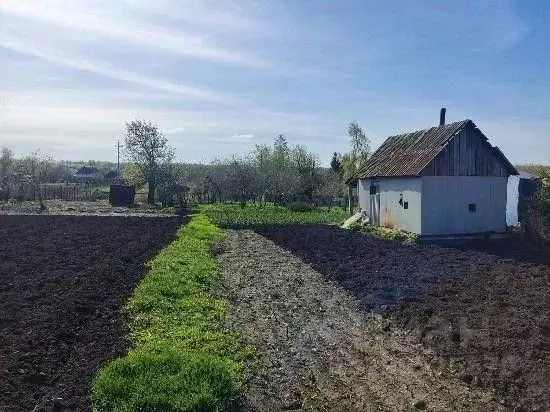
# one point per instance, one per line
(401, 199)
(472, 207)
(406, 205)
(373, 189)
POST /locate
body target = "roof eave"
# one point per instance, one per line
(387, 176)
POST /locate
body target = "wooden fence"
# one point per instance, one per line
(67, 192)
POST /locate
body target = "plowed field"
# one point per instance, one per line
(63, 280)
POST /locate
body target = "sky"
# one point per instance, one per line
(220, 76)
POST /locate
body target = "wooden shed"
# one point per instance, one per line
(445, 180)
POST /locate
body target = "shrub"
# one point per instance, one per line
(385, 233)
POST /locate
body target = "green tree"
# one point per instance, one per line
(349, 165)
(336, 163)
(306, 168)
(360, 151)
(148, 148)
(281, 152)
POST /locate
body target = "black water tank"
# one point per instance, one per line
(122, 195)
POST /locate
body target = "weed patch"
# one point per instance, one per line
(183, 358)
(385, 233)
(232, 215)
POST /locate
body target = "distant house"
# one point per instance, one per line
(445, 180)
(87, 174)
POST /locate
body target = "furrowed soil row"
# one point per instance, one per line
(318, 349)
(63, 280)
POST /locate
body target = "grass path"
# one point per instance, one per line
(182, 357)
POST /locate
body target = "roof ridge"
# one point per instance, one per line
(432, 127)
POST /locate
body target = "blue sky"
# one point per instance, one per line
(220, 76)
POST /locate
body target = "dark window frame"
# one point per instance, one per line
(374, 189)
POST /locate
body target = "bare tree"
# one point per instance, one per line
(6, 166)
(360, 144)
(241, 178)
(148, 148)
(34, 168)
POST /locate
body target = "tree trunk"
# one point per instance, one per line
(151, 194)
(40, 199)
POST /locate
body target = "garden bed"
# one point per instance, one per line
(481, 306)
(63, 280)
(317, 349)
(183, 358)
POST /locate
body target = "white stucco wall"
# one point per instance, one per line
(392, 213)
(512, 201)
(363, 189)
(446, 199)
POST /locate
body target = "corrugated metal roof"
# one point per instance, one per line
(408, 154)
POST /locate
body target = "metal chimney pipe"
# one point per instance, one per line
(442, 116)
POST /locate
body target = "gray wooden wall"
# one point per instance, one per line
(468, 154)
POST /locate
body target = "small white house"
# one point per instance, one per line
(445, 180)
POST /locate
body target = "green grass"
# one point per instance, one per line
(232, 215)
(182, 356)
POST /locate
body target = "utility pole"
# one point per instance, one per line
(118, 159)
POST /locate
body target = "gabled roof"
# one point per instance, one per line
(87, 170)
(408, 154)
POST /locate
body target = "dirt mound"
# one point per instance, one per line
(63, 280)
(483, 307)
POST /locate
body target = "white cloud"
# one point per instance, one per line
(174, 130)
(138, 32)
(33, 121)
(203, 68)
(220, 15)
(103, 69)
(242, 136)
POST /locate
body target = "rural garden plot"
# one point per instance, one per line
(483, 308)
(183, 358)
(454, 300)
(63, 280)
(318, 350)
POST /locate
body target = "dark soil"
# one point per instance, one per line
(318, 350)
(483, 307)
(63, 280)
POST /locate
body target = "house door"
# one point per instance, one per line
(375, 204)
